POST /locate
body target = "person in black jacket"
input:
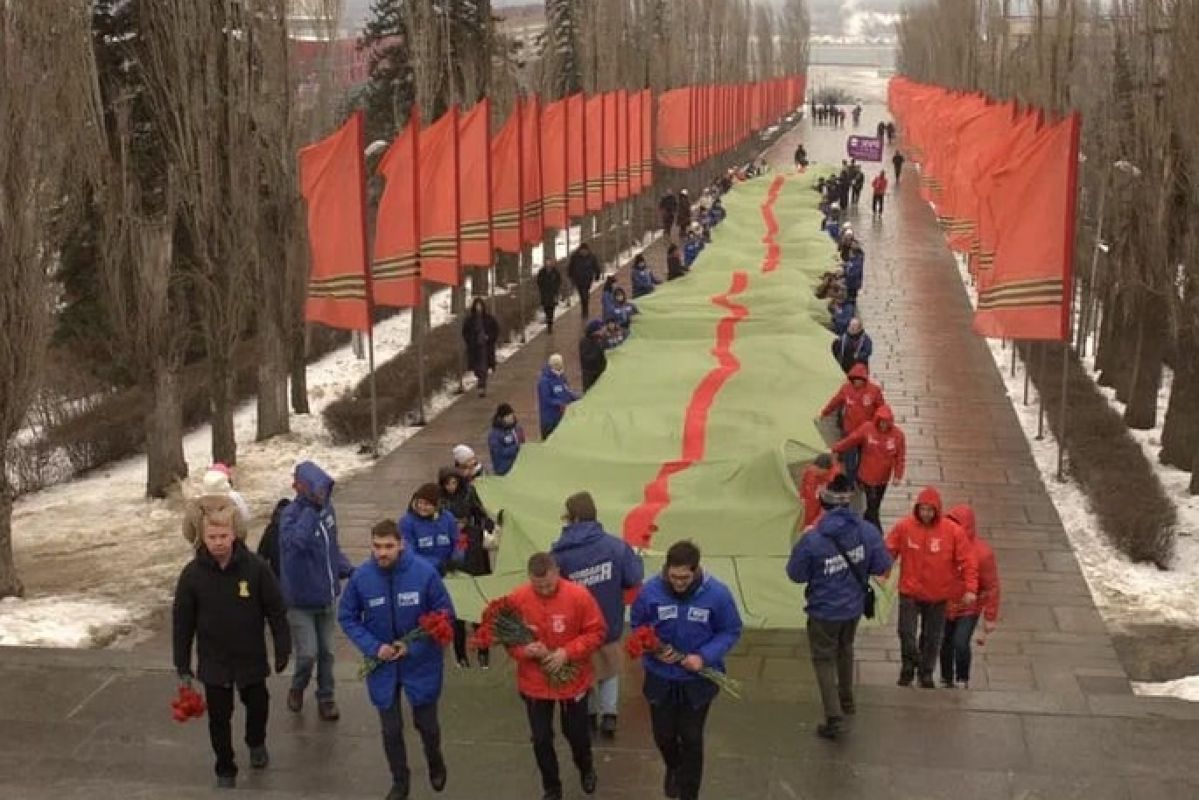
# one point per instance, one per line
(224, 598)
(592, 361)
(674, 263)
(683, 216)
(460, 499)
(268, 545)
(584, 270)
(668, 207)
(480, 332)
(549, 287)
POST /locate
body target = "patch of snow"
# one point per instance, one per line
(61, 621)
(1125, 593)
(1184, 689)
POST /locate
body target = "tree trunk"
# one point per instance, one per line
(10, 584)
(1146, 374)
(1122, 348)
(1180, 434)
(224, 440)
(480, 282)
(164, 434)
(457, 300)
(1194, 487)
(272, 380)
(299, 371)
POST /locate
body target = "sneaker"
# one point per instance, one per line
(829, 729)
(226, 781)
(295, 700)
(588, 780)
(906, 676)
(328, 711)
(670, 786)
(398, 792)
(608, 726)
(927, 682)
(463, 663)
(438, 775)
(848, 707)
(259, 757)
(484, 661)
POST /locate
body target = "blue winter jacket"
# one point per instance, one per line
(380, 606)
(504, 445)
(853, 277)
(311, 564)
(604, 564)
(553, 395)
(703, 621)
(432, 539)
(607, 303)
(622, 313)
(833, 593)
(841, 319)
(691, 250)
(644, 281)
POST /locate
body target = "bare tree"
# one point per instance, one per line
(43, 52)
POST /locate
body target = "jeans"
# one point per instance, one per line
(257, 701)
(955, 649)
(574, 727)
(312, 637)
(391, 721)
(831, 644)
(679, 734)
(874, 502)
(876, 205)
(604, 698)
(920, 654)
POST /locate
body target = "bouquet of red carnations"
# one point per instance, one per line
(188, 704)
(503, 623)
(644, 641)
(435, 625)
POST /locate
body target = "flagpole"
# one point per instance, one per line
(520, 215)
(417, 322)
(1071, 220)
(369, 288)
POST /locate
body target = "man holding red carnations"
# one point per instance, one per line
(396, 610)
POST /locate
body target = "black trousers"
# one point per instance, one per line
(920, 653)
(584, 300)
(955, 649)
(257, 701)
(876, 205)
(460, 643)
(679, 733)
(392, 724)
(549, 308)
(575, 727)
(831, 644)
(874, 502)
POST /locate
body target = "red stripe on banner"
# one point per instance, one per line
(771, 262)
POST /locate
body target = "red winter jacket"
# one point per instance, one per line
(813, 480)
(859, 404)
(932, 557)
(988, 571)
(569, 619)
(883, 452)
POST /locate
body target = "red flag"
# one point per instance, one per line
(675, 124)
(611, 147)
(333, 182)
(474, 156)
(576, 155)
(439, 203)
(506, 183)
(395, 274)
(595, 152)
(622, 145)
(531, 225)
(553, 163)
(647, 139)
(633, 104)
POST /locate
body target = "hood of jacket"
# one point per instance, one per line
(313, 482)
(859, 371)
(884, 414)
(549, 374)
(835, 522)
(963, 515)
(928, 496)
(578, 534)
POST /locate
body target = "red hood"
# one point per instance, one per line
(963, 515)
(928, 496)
(884, 414)
(859, 371)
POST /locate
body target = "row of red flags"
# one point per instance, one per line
(454, 194)
(1003, 179)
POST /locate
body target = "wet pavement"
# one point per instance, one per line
(1049, 715)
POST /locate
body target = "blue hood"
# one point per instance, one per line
(606, 565)
(833, 592)
(312, 481)
(578, 534)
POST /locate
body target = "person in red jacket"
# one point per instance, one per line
(937, 564)
(570, 629)
(856, 401)
(882, 448)
(815, 477)
(960, 618)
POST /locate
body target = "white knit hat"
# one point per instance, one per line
(462, 454)
(216, 482)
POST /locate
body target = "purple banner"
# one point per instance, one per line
(864, 148)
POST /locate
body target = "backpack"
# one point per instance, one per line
(268, 545)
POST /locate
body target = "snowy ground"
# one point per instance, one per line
(100, 559)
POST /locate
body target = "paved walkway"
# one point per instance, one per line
(1049, 715)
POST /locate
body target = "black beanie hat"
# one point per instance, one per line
(838, 492)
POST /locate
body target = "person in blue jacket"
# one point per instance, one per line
(694, 615)
(312, 567)
(553, 394)
(854, 274)
(606, 298)
(428, 531)
(853, 347)
(644, 280)
(693, 245)
(505, 439)
(835, 595)
(622, 310)
(842, 312)
(607, 566)
(384, 601)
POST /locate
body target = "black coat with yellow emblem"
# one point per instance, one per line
(225, 612)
